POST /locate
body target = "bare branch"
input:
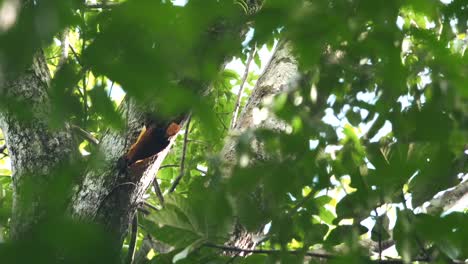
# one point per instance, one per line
(77, 58)
(156, 187)
(110, 89)
(449, 199)
(201, 171)
(301, 252)
(268, 251)
(144, 211)
(151, 206)
(2, 149)
(184, 152)
(133, 238)
(158, 192)
(241, 88)
(169, 166)
(101, 6)
(379, 222)
(85, 134)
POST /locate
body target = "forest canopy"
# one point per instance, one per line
(233, 131)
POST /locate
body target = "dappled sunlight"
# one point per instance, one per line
(9, 10)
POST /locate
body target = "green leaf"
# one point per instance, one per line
(257, 60)
(344, 233)
(254, 259)
(405, 237)
(380, 231)
(184, 253)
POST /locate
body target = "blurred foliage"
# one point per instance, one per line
(379, 122)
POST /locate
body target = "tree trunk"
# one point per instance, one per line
(280, 75)
(34, 148)
(110, 196)
(105, 194)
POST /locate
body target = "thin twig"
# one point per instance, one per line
(133, 238)
(301, 203)
(158, 192)
(77, 58)
(269, 251)
(101, 6)
(2, 150)
(379, 222)
(241, 88)
(53, 57)
(300, 252)
(157, 188)
(200, 170)
(184, 152)
(169, 166)
(143, 210)
(416, 237)
(110, 89)
(85, 134)
(151, 206)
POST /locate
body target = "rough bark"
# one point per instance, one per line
(444, 202)
(109, 196)
(34, 148)
(105, 195)
(280, 75)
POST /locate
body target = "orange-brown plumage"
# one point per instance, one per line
(151, 141)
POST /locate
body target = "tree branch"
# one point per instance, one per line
(158, 192)
(269, 251)
(379, 222)
(241, 88)
(133, 238)
(169, 166)
(182, 162)
(151, 206)
(77, 58)
(101, 6)
(2, 151)
(52, 147)
(300, 252)
(85, 134)
(448, 199)
(156, 187)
